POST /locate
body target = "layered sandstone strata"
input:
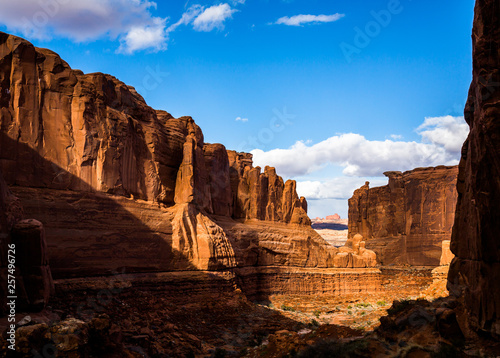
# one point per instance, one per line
(406, 221)
(91, 132)
(475, 240)
(121, 187)
(65, 130)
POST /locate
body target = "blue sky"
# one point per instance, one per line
(332, 93)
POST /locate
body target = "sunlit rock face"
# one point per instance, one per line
(406, 221)
(475, 241)
(121, 187)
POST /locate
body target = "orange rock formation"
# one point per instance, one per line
(406, 221)
(120, 186)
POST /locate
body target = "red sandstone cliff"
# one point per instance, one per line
(406, 221)
(120, 186)
(475, 239)
(97, 134)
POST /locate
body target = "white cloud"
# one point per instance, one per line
(396, 136)
(129, 21)
(187, 17)
(337, 188)
(448, 132)
(299, 20)
(440, 145)
(206, 19)
(213, 18)
(76, 19)
(152, 37)
(239, 119)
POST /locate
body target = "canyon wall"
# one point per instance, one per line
(475, 271)
(121, 187)
(62, 129)
(406, 221)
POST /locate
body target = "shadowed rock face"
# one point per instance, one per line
(22, 243)
(406, 221)
(97, 134)
(120, 186)
(11, 212)
(475, 240)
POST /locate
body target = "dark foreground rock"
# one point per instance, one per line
(475, 271)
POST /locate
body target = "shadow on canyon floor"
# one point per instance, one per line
(113, 261)
(329, 226)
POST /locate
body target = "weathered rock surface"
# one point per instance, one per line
(91, 132)
(406, 221)
(259, 283)
(121, 187)
(264, 196)
(475, 239)
(354, 254)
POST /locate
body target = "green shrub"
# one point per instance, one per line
(363, 305)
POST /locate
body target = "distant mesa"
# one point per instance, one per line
(333, 217)
(330, 219)
(331, 222)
